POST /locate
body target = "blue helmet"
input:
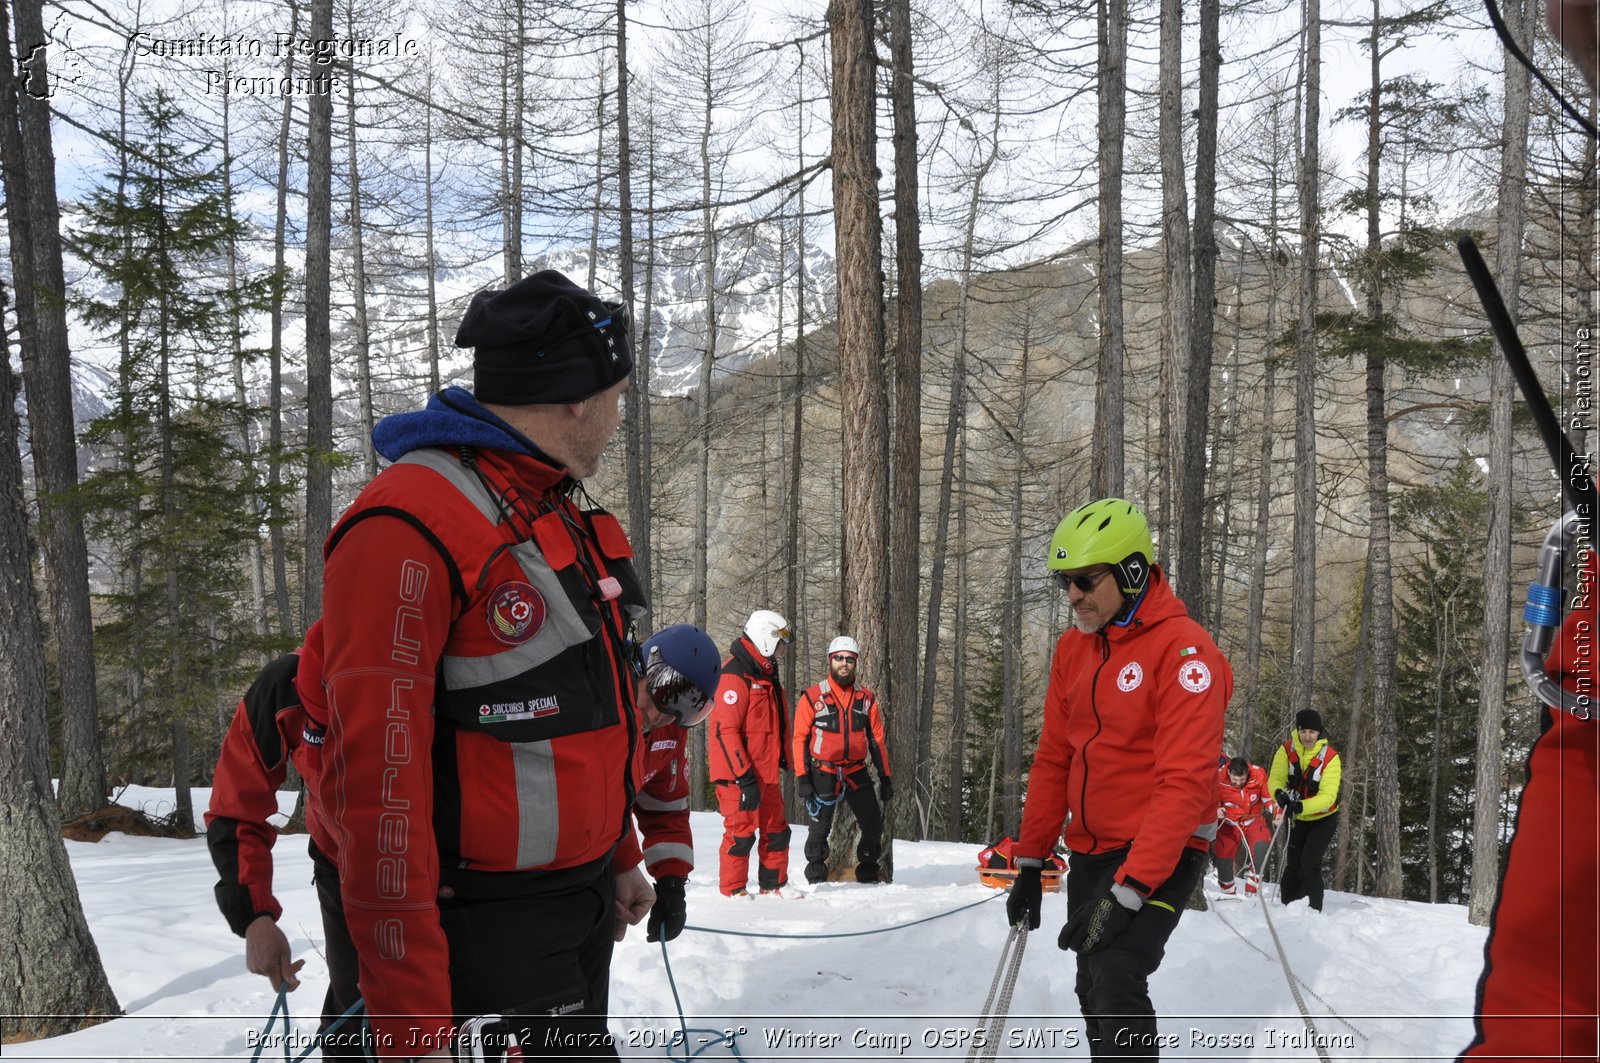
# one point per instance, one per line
(681, 671)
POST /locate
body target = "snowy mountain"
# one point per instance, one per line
(1381, 979)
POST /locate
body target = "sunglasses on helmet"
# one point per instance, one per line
(672, 692)
(1083, 581)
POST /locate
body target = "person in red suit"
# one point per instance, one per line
(680, 673)
(747, 751)
(483, 732)
(838, 726)
(1242, 816)
(271, 730)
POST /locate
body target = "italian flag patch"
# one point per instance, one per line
(1187, 650)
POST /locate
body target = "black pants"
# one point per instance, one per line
(863, 801)
(1302, 873)
(1114, 983)
(346, 1042)
(536, 948)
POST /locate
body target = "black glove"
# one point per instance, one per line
(1026, 893)
(885, 789)
(669, 911)
(803, 787)
(1096, 924)
(749, 791)
(1288, 802)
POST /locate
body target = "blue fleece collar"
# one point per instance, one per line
(452, 418)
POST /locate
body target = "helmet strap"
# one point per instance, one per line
(1130, 606)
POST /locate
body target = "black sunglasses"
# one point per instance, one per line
(1084, 582)
(843, 657)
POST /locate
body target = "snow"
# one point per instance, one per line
(1399, 975)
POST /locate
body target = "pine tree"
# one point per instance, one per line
(177, 627)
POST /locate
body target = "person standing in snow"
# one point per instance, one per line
(747, 751)
(1132, 723)
(1242, 818)
(679, 669)
(482, 753)
(1305, 784)
(837, 725)
(271, 729)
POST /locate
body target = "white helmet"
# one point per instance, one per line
(765, 629)
(844, 644)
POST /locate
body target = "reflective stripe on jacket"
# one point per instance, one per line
(480, 701)
(838, 729)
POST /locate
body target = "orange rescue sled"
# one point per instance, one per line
(997, 867)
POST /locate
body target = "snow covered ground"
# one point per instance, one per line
(1399, 975)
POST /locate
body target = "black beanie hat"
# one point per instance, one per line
(544, 340)
(1308, 718)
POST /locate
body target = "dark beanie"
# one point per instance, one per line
(544, 340)
(1308, 718)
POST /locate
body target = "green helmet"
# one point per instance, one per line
(1111, 532)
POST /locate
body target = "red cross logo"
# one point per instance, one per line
(1194, 677)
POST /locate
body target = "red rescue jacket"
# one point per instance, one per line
(480, 702)
(838, 728)
(270, 729)
(1244, 804)
(750, 723)
(661, 808)
(1132, 725)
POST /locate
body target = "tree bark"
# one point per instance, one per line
(35, 227)
(1386, 748)
(864, 399)
(275, 537)
(51, 977)
(1197, 398)
(1177, 289)
(907, 743)
(1106, 470)
(319, 344)
(362, 334)
(1489, 782)
(1303, 631)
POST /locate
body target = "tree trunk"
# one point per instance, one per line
(906, 740)
(864, 397)
(28, 163)
(639, 394)
(1303, 632)
(319, 344)
(427, 236)
(1350, 755)
(280, 269)
(1106, 470)
(51, 977)
(1177, 289)
(362, 334)
(1386, 749)
(1489, 784)
(1197, 398)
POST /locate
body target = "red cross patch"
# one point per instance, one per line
(1129, 678)
(1194, 676)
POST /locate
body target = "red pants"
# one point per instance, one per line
(1226, 844)
(739, 837)
(1538, 994)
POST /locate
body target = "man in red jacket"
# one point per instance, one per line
(748, 749)
(483, 747)
(1132, 727)
(1241, 818)
(270, 730)
(837, 725)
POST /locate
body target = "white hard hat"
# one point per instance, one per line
(765, 629)
(844, 644)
